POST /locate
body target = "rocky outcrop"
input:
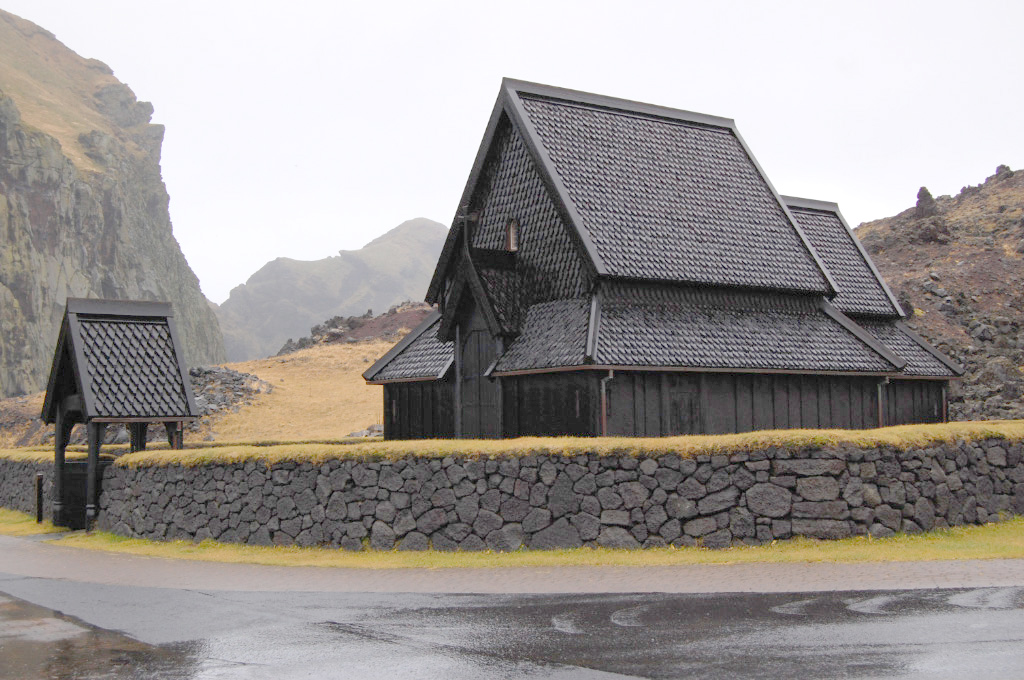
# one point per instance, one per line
(285, 298)
(219, 389)
(954, 262)
(404, 316)
(83, 208)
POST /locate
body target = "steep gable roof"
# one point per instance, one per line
(862, 290)
(653, 193)
(123, 358)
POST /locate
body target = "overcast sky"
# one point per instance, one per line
(298, 129)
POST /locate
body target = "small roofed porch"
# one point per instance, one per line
(115, 363)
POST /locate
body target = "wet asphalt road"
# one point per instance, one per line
(175, 633)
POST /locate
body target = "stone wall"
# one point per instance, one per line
(18, 486)
(550, 501)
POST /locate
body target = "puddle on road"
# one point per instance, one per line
(41, 644)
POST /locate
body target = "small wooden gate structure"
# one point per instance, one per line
(115, 362)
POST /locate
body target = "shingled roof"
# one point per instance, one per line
(123, 359)
(667, 326)
(676, 253)
(419, 356)
(554, 335)
(653, 193)
(922, 359)
(862, 290)
(643, 325)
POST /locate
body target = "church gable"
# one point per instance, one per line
(549, 265)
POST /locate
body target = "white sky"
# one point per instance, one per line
(301, 128)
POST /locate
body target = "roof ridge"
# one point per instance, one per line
(539, 90)
(724, 125)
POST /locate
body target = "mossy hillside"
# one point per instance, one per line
(901, 437)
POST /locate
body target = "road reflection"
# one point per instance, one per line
(38, 643)
(951, 633)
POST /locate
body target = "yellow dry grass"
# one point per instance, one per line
(327, 447)
(1003, 540)
(899, 437)
(319, 394)
(14, 523)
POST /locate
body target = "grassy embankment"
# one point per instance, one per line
(318, 394)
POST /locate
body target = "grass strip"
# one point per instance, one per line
(1000, 540)
(14, 523)
(899, 437)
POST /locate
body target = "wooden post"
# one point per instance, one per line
(62, 430)
(39, 498)
(95, 434)
(604, 402)
(881, 401)
(458, 384)
(137, 432)
(175, 434)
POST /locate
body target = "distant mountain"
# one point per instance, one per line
(83, 208)
(286, 298)
(955, 263)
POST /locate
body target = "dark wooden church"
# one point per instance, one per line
(619, 268)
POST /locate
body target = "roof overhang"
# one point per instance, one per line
(927, 346)
(691, 369)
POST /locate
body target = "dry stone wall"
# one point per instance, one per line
(18, 486)
(552, 501)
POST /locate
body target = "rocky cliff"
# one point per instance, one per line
(955, 262)
(83, 208)
(286, 298)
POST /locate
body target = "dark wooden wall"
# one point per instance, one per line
(552, 404)
(419, 410)
(648, 404)
(651, 404)
(480, 395)
(913, 401)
